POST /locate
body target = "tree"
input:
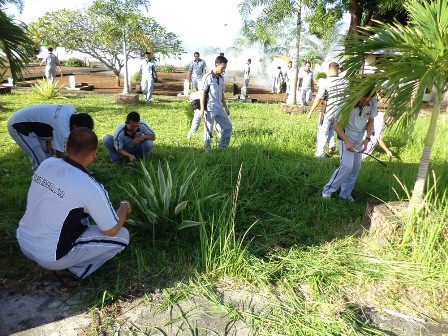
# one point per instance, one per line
(274, 14)
(101, 36)
(416, 59)
(366, 12)
(14, 43)
(122, 12)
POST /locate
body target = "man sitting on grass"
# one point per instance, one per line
(55, 230)
(131, 140)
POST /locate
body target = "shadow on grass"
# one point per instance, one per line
(280, 190)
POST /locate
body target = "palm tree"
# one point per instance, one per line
(274, 16)
(14, 43)
(416, 59)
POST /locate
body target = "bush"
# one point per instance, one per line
(74, 62)
(320, 75)
(137, 77)
(45, 89)
(167, 68)
(187, 67)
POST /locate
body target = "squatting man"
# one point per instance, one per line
(55, 231)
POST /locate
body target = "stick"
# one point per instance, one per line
(357, 151)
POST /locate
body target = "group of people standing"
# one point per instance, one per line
(305, 82)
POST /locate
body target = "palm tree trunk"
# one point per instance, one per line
(292, 97)
(419, 186)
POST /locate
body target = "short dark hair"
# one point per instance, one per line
(147, 53)
(334, 66)
(81, 120)
(308, 62)
(50, 49)
(82, 140)
(133, 116)
(249, 60)
(196, 53)
(221, 59)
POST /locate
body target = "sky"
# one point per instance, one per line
(198, 23)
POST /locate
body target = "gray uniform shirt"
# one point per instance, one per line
(198, 68)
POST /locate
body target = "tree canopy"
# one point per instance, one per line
(14, 43)
(98, 31)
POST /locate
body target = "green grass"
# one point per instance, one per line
(265, 228)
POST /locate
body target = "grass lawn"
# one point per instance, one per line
(259, 219)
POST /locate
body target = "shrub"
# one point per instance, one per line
(137, 77)
(74, 62)
(159, 196)
(167, 68)
(45, 89)
(320, 75)
(187, 67)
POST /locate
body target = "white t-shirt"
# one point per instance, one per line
(333, 85)
(50, 122)
(61, 197)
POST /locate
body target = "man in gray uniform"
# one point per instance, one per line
(149, 75)
(35, 127)
(351, 145)
(197, 69)
(51, 61)
(213, 102)
(131, 140)
(55, 232)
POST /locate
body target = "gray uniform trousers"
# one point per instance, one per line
(147, 86)
(224, 125)
(345, 176)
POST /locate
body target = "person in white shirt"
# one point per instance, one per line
(51, 61)
(329, 88)
(55, 231)
(42, 129)
(353, 141)
(306, 83)
(149, 75)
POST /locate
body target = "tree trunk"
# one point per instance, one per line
(117, 77)
(126, 71)
(292, 97)
(419, 186)
(355, 16)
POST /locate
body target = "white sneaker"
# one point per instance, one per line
(325, 195)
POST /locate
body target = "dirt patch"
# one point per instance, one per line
(171, 83)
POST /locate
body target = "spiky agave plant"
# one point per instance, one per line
(158, 196)
(45, 89)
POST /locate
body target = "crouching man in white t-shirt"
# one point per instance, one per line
(55, 230)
